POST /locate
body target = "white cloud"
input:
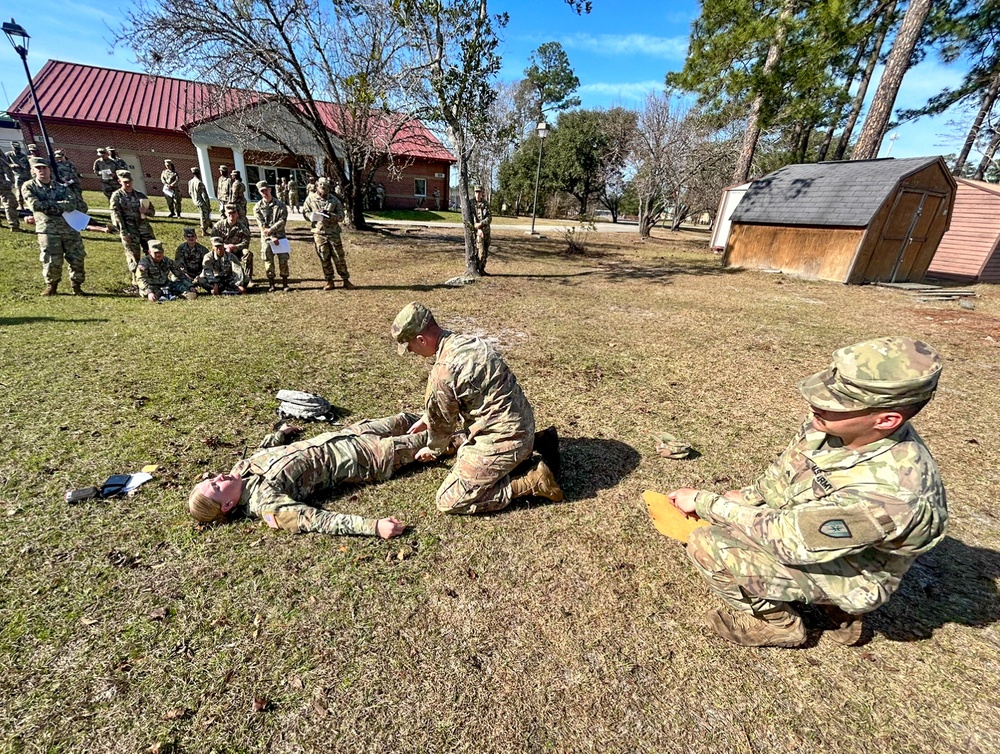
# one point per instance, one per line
(668, 48)
(626, 90)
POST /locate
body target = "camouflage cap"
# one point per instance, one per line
(409, 323)
(101, 150)
(232, 208)
(223, 167)
(111, 149)
(217, 241)
(32, 147)
(477, 188)
(155, 245)
(124, 175)
(881, 373)
(189, 232)
(59, 153)
(38, 162)
(196, 171)
(262, 185)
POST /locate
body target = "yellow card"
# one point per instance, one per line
(669, 521)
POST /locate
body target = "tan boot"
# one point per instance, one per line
(329, 286)
(844, 628)
(778, 628)
(77, 290)
(50, 289)
(270, 285)
(190, 295)
(284, 283)
(538, 482)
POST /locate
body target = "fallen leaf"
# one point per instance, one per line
(176, 713)
(88, 621)
(451, 592)
(869, 656)
(342, 548)
(319, 707)
(295, 682)
(260, 704)
(472, 574)
(313, 600)
(159, 613)
(972, 441)
(813, 661)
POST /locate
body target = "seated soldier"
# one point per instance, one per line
(189, 255)
(276, 480)
(235, 234)
(840, 516)
(222, 271)
(159, 278)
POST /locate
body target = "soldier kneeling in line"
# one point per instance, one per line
(272, 483)
(159, 278)
(840, 516)
(222, 271)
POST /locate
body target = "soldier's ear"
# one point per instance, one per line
(889, 421)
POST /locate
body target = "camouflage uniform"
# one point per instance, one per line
(281, 192)
(135, 230)
(161, 277)
(68, 175)
(825, 523)
(222, 192)
(226, 271)
(271, 217)
(105, 168)
(380, 195)
(56, 239)
(278, 479)
(238, 236)
(189, 258)
(326, 234)
(471, 385)
(17, 162)
(171, 180)
(238, 196)
(7, 200)
(482, 217)
(293, 195)
(199, 195)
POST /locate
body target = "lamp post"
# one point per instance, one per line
(542, 130)
(19, 41)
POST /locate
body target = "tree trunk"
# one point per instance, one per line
(988, 100)
(987, 160)
(356, 200)
(752, 135)
(880, 111)
(866, 79)
(457, 138)
(842, 101)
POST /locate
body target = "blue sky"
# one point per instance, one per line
(620, 52)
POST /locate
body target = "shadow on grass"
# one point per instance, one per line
(953, 583)
(590, 464)
(5, 321)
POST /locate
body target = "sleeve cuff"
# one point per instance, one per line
(715, 508)
(369, 527)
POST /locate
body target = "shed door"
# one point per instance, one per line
(903, 236)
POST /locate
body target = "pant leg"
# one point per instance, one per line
(206, 218)
(268, 257)
(480, 479)
(387, 426)
(51, 257)
(74, 254)
(247, 261)
(339, 257)
(283, 265)
(324, 250)
(133, 252)
(10, 208)
(745, 576)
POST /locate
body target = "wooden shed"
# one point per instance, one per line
(970, 250)
(852, 222)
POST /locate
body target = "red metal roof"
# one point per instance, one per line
(103, 96)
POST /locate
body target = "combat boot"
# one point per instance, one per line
(782, 627)
(284, 283)
(50, 289)
(538, 482)
(329, 285)
(270, 285)
(77, 290)
(842, 627)
(190, 295)
(348, 285)
(547, 446)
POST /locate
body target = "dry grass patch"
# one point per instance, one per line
(568, 628)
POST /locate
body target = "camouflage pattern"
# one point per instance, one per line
(380, 195)
(189, 258)
(171, 180)
(326, 232)
(824, 524)
(470, 386)
(271, 218)
(222, 185)
(20, 169)
(238, 196)
(293, 195)
(226, 271)
(105, 168)
(120, 164)
(238, 237)
(482, 218)
(409, 323)
(881, 373)
(57, 241)
(7, 199)
(199, 195)
(277, 480)
(128, 216)
(156, 277)
(68, 175)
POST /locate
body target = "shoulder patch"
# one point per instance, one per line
(832, 527)
(835, 527)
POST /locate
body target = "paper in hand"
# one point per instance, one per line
(281, 246)
(167, 191)
(317, 217)
(76, 219)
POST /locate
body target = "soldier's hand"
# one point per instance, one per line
(151, 296)
(419, 426)
(425, 455)
(215, 289)
(734, 495)
(683, 499)
(387, 528)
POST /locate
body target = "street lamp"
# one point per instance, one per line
(19, 41)
(542, 130)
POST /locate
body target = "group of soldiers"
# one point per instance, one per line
(833, 524)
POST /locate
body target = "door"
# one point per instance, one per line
(138, 179)
(903, 236)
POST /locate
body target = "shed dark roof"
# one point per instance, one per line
(840, 194)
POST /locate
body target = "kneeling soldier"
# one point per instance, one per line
(159, 277)
(189, 255)
(222, 271)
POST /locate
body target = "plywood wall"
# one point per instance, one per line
(823, 253)
(970, 242)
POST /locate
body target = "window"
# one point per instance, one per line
(273, 177)
(420, 187)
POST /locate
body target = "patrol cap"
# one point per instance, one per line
(189, 232)
(409, 323)
(217, 241)
(223, 167)
(60, 152)
(111, 149)
(32, 148)
(38, 162)
(155, 245)
(232, 208)
(477, 188)
(168, 162)
(101, 150)
(124, 175)
(262, 185)
(881, 373)
(195, 171)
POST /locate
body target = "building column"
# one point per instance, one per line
(238, 164)
(206, 169)
(319, 164)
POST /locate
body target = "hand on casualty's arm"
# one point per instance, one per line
(426, 455)
(419, 426)
(387, 528)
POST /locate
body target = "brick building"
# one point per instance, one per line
(150, 118)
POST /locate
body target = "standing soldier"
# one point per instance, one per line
(293, 194)
(105, 169)
(437, 198)
(326, 232)
(129, 210)
(271, 216)
(189, 255)
(238, 193)
(67, 174)
(235, 235)
(222, 189)
(199, 195)
(48, 200)
(281, 191)
(120, 164)
(171, 188)
(380, 195)
(481, 219)
(17, 162)
(7, 199)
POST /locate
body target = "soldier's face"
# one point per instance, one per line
(233, 216)
(220, 251)
(157, 255)
(127, 184)
(191, 240)
(855, 426)
(421, 345)
(225, 489)
(42, 173)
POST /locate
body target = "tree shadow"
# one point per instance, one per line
(953, 583)
(5, 321)
(590, 464)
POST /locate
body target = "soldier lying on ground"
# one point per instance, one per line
(273, 482)
(840, 516)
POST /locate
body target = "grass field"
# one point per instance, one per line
(545, 628)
